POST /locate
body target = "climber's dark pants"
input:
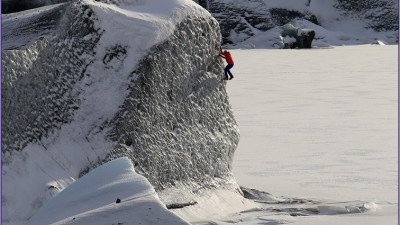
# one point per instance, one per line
(227, 68)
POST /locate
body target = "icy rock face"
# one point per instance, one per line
(380, 15)
(91, 92)
(178, 110)
(37, 83)
(10, 6)
(15, 36)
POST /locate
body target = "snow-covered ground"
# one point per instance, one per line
(320, 125)
(111, 194)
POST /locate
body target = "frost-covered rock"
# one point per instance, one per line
(379, 15)
(11, 6)
(241, 20)
(140, 79)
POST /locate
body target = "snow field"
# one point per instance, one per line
(324, 126)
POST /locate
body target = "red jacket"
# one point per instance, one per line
(227, 56)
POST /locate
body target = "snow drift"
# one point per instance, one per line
(140, 79)
(110, 194)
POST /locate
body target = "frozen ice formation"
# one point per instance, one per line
(110, 79)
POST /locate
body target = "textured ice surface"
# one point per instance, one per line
(130, 80)
(21, 30)
(179, 112)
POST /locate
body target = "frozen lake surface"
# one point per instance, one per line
(318, 124)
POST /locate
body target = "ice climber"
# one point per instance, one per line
(227, 56)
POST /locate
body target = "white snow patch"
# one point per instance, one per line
(92, 200)
(288, 39)
(214, 205)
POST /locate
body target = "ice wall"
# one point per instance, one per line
(176, 123)
(38, 93)
(140, 79)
